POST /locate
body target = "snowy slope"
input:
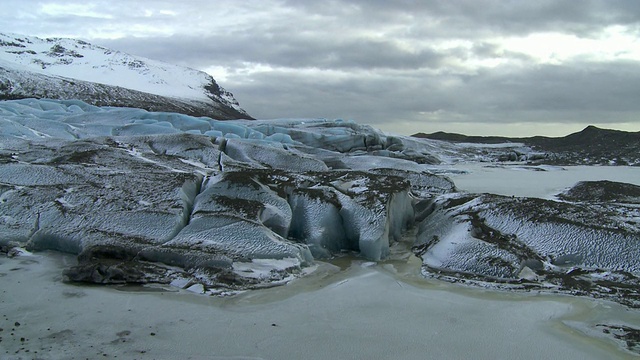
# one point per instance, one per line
(67, 68)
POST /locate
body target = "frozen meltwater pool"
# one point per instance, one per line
(534, 181)
(366, 311)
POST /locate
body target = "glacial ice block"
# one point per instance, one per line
(270, 154)
(237, 239)
(317, 221)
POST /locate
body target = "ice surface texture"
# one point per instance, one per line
(584, 247)
(123, 187)
(143, 196)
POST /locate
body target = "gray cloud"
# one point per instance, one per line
(281, 50)
(569, 87)
(471, 18)
(378, 62)
(574, 93)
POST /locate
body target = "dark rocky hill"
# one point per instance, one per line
(591, 146)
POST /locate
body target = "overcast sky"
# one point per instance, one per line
(503, 67)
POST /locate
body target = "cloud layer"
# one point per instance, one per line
(471, 66)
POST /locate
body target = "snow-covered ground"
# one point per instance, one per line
(364, 312)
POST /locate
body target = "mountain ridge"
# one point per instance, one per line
(59, 68)
(589, 131)
(592, 145)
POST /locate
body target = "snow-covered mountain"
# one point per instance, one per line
(31, 67)
(226, 205)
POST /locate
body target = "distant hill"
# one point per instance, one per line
(453, 137)
(64, 69)
(592, 145)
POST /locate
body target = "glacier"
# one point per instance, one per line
(143, 196)
(163, 197)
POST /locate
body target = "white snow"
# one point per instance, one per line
(97, 64)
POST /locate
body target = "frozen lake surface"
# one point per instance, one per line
(362, 311)
(534, 181)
